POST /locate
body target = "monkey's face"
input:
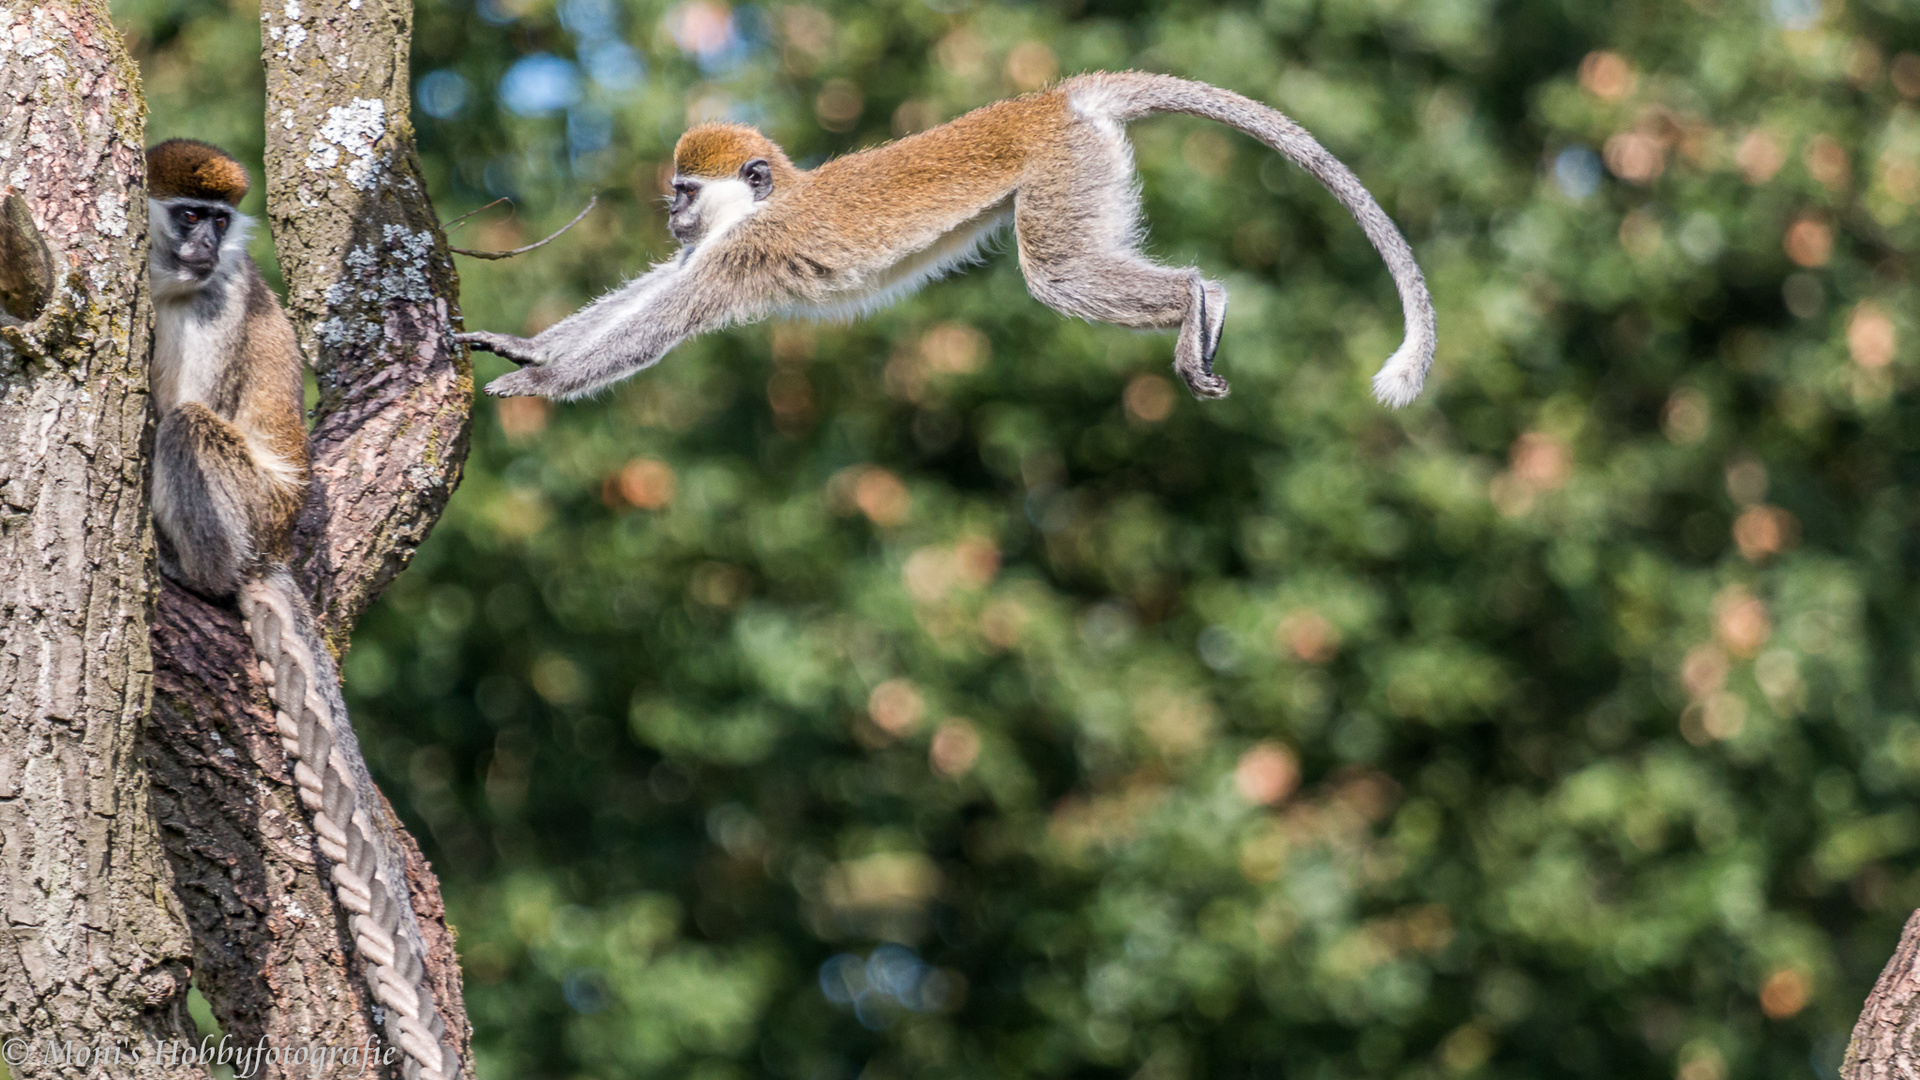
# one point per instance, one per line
(702, 208)
(187, 245)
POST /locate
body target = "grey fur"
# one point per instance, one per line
(203, 493)
(1399, 381)
(350, 818)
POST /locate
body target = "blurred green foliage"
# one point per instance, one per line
(945, 695)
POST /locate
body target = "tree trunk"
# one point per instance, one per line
(373, 297)
(1883, 1044)
(94, 953)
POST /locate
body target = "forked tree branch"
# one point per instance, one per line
(373, 296)
(448, 225)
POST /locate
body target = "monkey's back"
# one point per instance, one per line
(272, 401)
(904, 194)
(270, 409)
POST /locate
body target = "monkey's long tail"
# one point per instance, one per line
(369, 872)
(1134, 94)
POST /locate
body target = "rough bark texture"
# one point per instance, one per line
(1884, 1044)
(373, 293)
(372, 289)
(94, 951)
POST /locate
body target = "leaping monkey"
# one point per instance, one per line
(761, 237)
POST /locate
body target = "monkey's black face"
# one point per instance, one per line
(684, 192)
(699, 206)
(198, 230)
(683, 210)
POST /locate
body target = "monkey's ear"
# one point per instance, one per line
(759, 176)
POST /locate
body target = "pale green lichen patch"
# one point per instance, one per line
(112, 208)
(37, 40)
(352, 130)
(292, 36)
(378, 275)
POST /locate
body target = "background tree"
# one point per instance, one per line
(943, 695)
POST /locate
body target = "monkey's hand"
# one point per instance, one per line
(517, 349)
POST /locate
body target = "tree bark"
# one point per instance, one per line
(1883, 1044)
(371, 289)
(94, 953)
(373, 296)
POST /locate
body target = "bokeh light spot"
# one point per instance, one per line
(540, 84)
(443, 94)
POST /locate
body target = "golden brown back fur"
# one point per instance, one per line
(856, 209)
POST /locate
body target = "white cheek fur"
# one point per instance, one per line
(724, 204)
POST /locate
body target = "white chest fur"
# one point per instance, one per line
(187, 353)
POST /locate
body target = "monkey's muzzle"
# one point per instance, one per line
(198, 260)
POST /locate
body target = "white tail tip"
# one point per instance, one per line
(1399, 380)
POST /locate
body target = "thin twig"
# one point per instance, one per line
(448, 226)
(535, 244)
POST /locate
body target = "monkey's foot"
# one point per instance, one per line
(527, 382)
(1217, 313)
(1200, 339)
(1205, 384)
(517, 349)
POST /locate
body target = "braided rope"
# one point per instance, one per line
(368, 871)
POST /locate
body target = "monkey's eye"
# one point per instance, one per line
(191, 217)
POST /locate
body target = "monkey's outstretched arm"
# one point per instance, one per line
(577, 331)
(628, 330)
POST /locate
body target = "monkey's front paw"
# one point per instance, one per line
(527, 382)
(517, 349)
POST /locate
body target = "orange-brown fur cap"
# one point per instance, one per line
(718, 150)
(190, 169)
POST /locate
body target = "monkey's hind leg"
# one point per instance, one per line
(1074, 224)
(204, 486)
(1130, 291)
